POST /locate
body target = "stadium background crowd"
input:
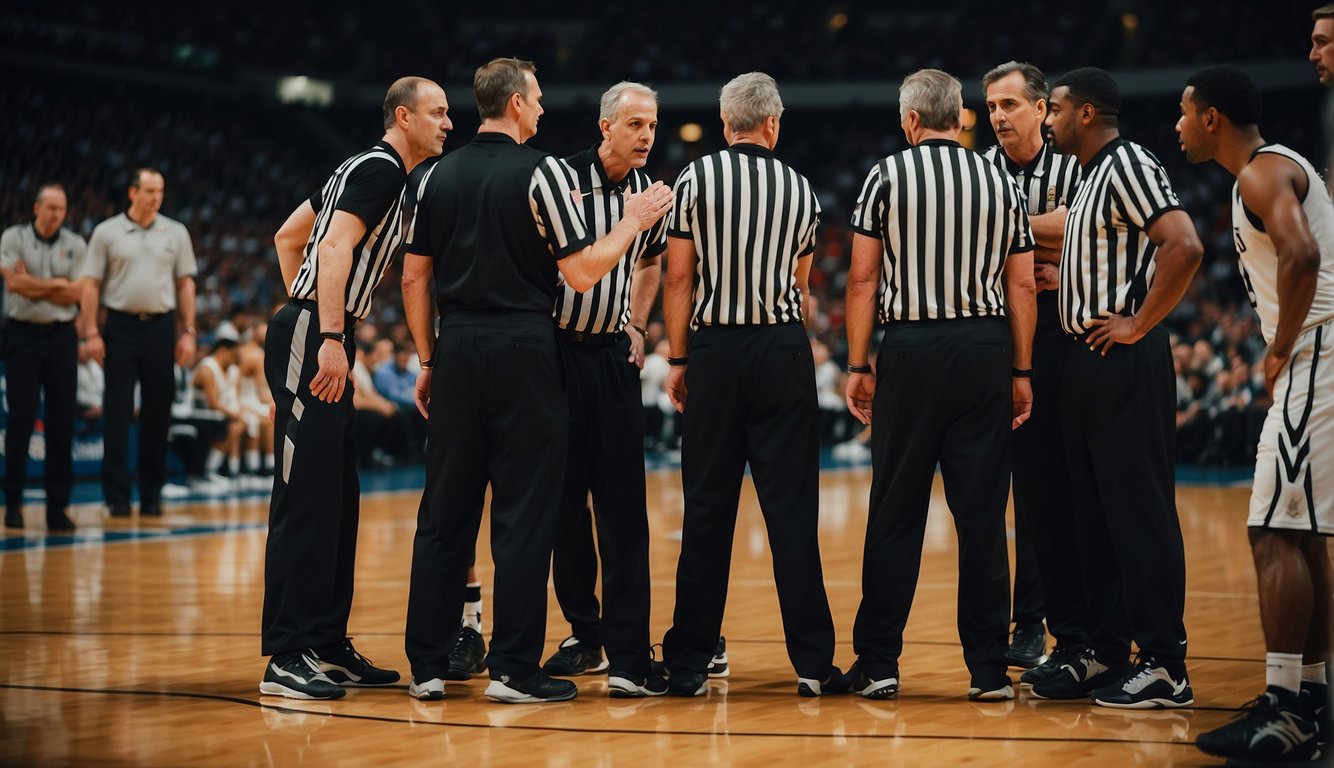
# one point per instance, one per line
(186, 89)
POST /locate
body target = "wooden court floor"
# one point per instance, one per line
(145, 651)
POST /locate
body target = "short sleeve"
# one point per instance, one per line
(808, 235)
(185, 255)
(371, 189)
(418, 237)
(1145, 191)
(94, 263)
(868, 216)
(554, 197)
(657, 239)
(1023, 231)
(9, 248)
(682, 216)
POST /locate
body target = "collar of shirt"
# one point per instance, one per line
(747, 148)
(493, 137)
(591, 157)
(392, 153)
(1106, 150)
(48, 240)
(131, 224)
(939, 143)
(1034, 168)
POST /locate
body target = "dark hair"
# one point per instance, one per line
(1090, 85)
(137, 175)
(1035, 83)
(403, 93)
(494, 82)
(1228, 90)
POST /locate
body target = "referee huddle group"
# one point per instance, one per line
(544, 273)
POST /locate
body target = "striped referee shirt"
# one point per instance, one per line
(605, 308)
(1107, 263)
(751, 218)
(370, 186)
(1046, 183)
(948, 220)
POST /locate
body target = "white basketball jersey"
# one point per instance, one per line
(1259, 259)
(228, 384)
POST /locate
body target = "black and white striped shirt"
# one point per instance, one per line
(1046, 183)
(1107, 263)
(605, 308)
(948, 220)
(751, 218)
(370, 186)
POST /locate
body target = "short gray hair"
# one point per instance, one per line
(748, 99)
(1035, 83)
(935, 95)
(611, 100)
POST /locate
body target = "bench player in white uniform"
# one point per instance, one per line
(216, 383)
(254, 401)
(1283, 225)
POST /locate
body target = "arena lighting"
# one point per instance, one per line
(838, 21)
(305, 91)
(1130, 22)
(690, 133)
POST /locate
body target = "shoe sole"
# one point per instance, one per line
(702, 689)
(1146, 704)
(628, 690)
(718, 674)
(498, 691)
(424, 693)
(278, 689)
(886, 690)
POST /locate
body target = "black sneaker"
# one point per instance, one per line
(1147, 686)
(1269, 727)
(685, 682)
(1052, 666)
(57, 521)
(119, 510)
(13, 517)
(623, 686)
(718, 664)
(535, 690)
(1079, 677)
(468, 658)
(297, 676)
(575, 658)
(1028, 646)
(1313, 703)
(345, 666)
(834, 683)
(863, 684)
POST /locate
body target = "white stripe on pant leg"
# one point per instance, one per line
(296, 355)
(289, 444)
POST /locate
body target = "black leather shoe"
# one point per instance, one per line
(58, 521)
(686, 682)
(1028, 647)
(150, 509)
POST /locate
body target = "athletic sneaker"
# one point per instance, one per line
(574, 657)
(1313, 703)
(535, 690)
(685, 682)
(297, 676)
(345, 666)
(863, 684)
(1050, 668)
(718, 664)
(834, 683)
(1147, 686)
(1079, 677)
(468, 658)
(624, 686)
(427, 690)
(1269, 727)
(1004, 692)
(1028, 646)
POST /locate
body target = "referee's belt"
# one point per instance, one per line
(590, 339)
(50, 327)
(143, 317)
(349, 320)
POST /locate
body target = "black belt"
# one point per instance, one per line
(591, 339)
(54, 325)
(143, 317)
(349, 320)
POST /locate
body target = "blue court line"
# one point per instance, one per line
(103, 536)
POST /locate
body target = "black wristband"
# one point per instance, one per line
(858, 368)
(337, 336)
(1021, 373)
(643, 334)
(678, 361)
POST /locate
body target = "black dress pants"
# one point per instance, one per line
(751, 398)
(140, 349)
(41, 361)
(498, 416)
(943, 395)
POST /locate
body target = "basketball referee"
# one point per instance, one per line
(497, 225)
(739, 253)
(334, 259)
(941, 236)
(601, 334)
(1046, 565)
(1130, 252)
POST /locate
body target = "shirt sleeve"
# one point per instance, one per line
(657, 239)
(808, 236)
(94, 262)
(418, 237)
(1023, 232)
(371, 189)
(868, 216)
(1145, 191)
(681, 219)
(554, 198)
(9, 248)
(78, 253)
(185, 255)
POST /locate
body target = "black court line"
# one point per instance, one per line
(566, 729)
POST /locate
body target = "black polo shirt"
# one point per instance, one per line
(495, 216)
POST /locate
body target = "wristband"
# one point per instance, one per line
(334, 336)
(643, 334)
(425, 365)
(1021, 373)
(190, 329)
(858, 368)
(677, 361)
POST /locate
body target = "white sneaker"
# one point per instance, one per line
(173, 491)
(427, 690)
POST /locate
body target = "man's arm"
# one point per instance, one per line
(1271, 188)
(419, 312)
(90, 298)
(678, 295)
(584, 268)
(211, 388)
(1049, 232)
(335, 264)
(802, 275)
(290, 242)
(643, 292)
(1022, 311)
(185, 310)
(859, 306)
